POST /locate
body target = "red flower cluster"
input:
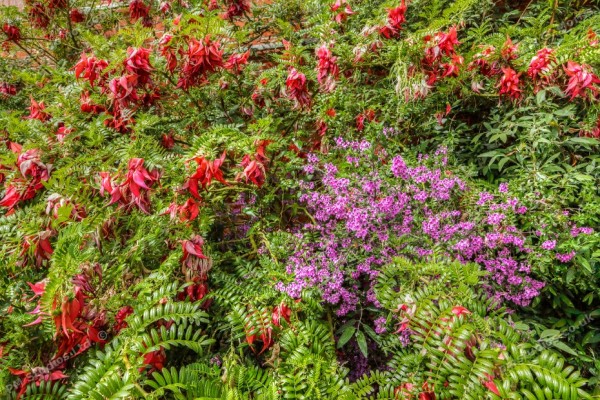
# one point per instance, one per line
(187, 212)
(167, 51)
(33, 172)
(206, 171)
(509, 50)
(540, 64)
(236, 8)
(77, 323)
(342, 15)
(368, 115)
(195, 266)
(138, 64)
(7, 90)
(36, 111)
(202, 57)
(76, 16)
(138, 9)
(235, 62)
(482, 62)
(297, 88)
(13, 33)
(40, 245)
(443, 45)
(254, 167)
(510, 84)
(36, 375)
(91, 68)
(396, 17)
(56, 201)
(87, 106)
(327, 68)
(134, 190)
(120, 317)
(580, 80)
(39, 16)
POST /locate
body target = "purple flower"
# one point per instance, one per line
(495, 219)
(380, 325)
(549, 245)
(503, 188)
(565, 258)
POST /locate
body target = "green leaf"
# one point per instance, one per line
(346, 335)
(362, 343)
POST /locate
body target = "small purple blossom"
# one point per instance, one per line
(549, 245)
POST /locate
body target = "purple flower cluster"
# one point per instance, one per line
(383, 209)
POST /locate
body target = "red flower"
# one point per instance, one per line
(134, 190)
(490, 385)
(36, 111)
(396, 17)
(120, 317)
(236, 61)
(193, 256)
(540, 63)
(138, 64)
(581, 78)
(42, 249)
(138, 9)
(206, 171)
(341, 16)
(7, 89)
(459, 310)
(35, 375)
(481, 61)
(297, 88)
(90, 68)
(235, 8)
(76, 16)
(167, 51)
(62, 132)
(443, 44)
(155, 360)
(87, 106)
(509, 50)
(452, 68)
(167, 141)
(368, 115)
(327, 68)
(12, 32)
(202, 57)
(123, 90)
(254, 171)
(187, 212)
(11, 198)
(510, 84)
(281, 311)
(40, 17)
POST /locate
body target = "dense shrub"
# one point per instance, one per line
(299, 199)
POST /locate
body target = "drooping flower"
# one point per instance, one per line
(120, 317)
(254, 171)
(138, 64)
(134, 189)
(202, 57)
(540, 64)
(396, 17)
(76, 16)
(581, 79)
(281, 311)
(36, 111)
(87, 106)
(297, 88)
(206, 171)
(138, 9)
(12, 32)
(327, 68)
(236, 8)
(510, 84)
(236, 61)
(90, 68)
(342, 15)
(509, 50)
